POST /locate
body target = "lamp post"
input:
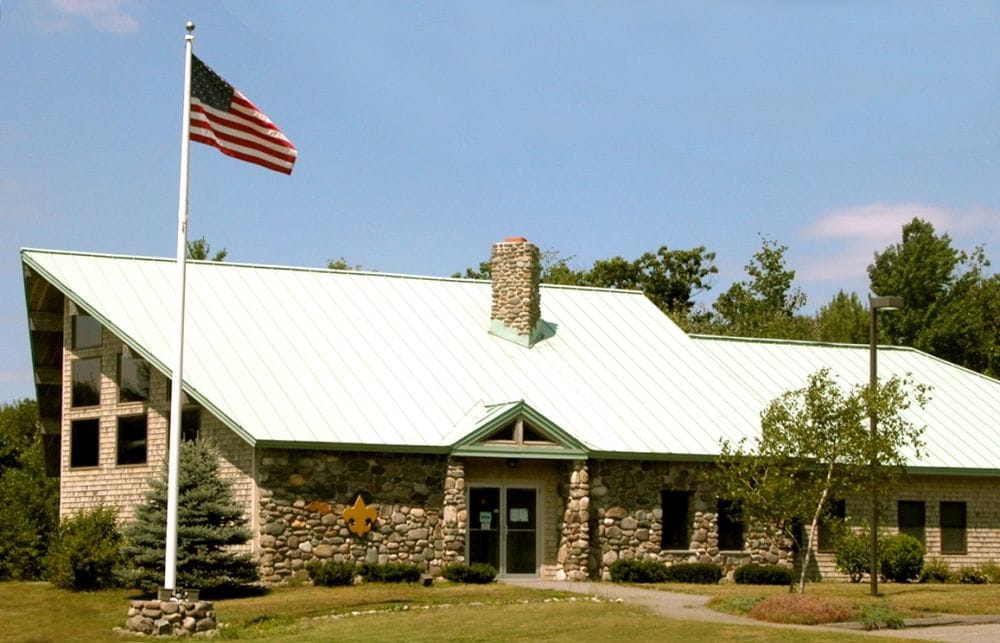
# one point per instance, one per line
(876, 304)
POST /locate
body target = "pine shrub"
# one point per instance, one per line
(754, 574)
(209, 524)
(330, 573)
(476, 573)
(901, 558)
(86, 552)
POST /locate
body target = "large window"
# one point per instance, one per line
(730, 526)
(132, 439)
(86, 374)
(835, 514)
(912, 519)
(676, 520)
(86, 331)
(83, 443)
(953, 528)
(133, 379)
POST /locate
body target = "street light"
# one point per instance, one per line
(876, 304)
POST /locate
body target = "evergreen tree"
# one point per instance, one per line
(209, 523)
(29, 500)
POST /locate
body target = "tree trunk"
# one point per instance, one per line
(810, 544)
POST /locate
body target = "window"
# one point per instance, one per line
(86, 331)
(86, 382)
(83, 443)
(953, 524)
(190, 424)
(912, 519)
(730, 525)
(676, 520)
(132, 439)
(133, 379)
(520, 433)
(835, 515)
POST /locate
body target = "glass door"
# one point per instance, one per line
(503, 529)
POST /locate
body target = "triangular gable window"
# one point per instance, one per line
(520, 433)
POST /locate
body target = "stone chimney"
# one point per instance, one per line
(516, 266)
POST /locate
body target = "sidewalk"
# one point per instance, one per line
(692, 607)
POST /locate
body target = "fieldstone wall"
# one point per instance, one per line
(178, 618)
(516, 274)
(574, 544)
(627, 514)
(303, 495)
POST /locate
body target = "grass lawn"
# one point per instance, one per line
(455, 612)
(906, 600)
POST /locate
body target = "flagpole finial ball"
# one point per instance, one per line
(189, 26)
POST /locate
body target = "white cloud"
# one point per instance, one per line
(106, 15)
(847, 239)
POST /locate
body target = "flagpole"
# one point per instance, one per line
(174, 449)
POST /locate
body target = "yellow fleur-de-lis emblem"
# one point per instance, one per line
(360, 517)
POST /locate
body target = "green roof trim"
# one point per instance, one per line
(135, 345)
(497, 416)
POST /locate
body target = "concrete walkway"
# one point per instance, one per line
(693, 607)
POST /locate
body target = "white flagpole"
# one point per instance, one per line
(174, 449)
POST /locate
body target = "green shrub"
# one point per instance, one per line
(700, 573)
(935, 570)
(390, 573)
(971, 576)
(875, 617)
(86, 552)
(990, 570)
(763, 575)
(638, 571)
(901, 559)
(330, 573)
(476, 574)
(852, 554)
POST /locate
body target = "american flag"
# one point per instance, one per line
(223, 117)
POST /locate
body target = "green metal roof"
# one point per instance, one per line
(330, 359)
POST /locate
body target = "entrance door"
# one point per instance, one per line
(503, 529)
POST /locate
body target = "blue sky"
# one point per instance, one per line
(427, 131)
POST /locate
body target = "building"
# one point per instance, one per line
(546, 430)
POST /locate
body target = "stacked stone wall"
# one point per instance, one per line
(303, 495)
(516, 274)
(177, 618)
(626, 506)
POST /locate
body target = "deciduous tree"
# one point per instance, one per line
(815, 445)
